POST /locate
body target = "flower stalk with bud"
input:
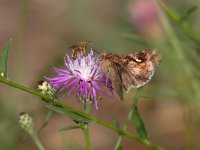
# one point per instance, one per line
(26, 123)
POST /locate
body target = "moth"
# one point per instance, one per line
(129, 71)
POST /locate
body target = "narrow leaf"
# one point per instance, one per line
(139, 124)
(169, 12)
(69, 128)
(135, 116)
(47, 118)
(72, 115)
(189, 12)
(4, 58)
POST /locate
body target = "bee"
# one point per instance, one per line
(78, 48)
(81, 47)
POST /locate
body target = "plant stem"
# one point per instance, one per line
(130, 115)
(87, 137)
(36, 140)
(92, 118)
(85, 128)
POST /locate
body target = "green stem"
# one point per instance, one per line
(92, 118)
(130, 115)
(87, 137)
(36, 140)
(85, 128)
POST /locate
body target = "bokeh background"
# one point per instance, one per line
(42, 31)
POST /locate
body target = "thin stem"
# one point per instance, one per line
(36, 140)
(92, 118)
(87, 137)
(130, 115)
(85, 128)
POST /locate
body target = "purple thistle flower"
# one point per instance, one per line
(83, 74)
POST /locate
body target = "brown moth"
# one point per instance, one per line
(129, 71)
(78, 48)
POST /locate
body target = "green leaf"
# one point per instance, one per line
(139, 124)
(188, 13)
(72, 115)
(169, 12)
(4, 58)
(47, 118)
(69, 128)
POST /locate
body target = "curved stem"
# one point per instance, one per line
(92, 118)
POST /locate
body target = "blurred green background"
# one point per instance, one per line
(43, 30)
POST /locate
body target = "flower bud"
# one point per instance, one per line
(26, 122)
(45, 88)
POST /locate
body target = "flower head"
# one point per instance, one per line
(84, 75)
(46, 88)
(26, 122)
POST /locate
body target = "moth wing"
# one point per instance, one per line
(114, 75)
(128, 80)
(139, 69)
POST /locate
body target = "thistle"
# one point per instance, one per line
(83, 75)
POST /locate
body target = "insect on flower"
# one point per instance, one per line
(83, 75)
(129, 71)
